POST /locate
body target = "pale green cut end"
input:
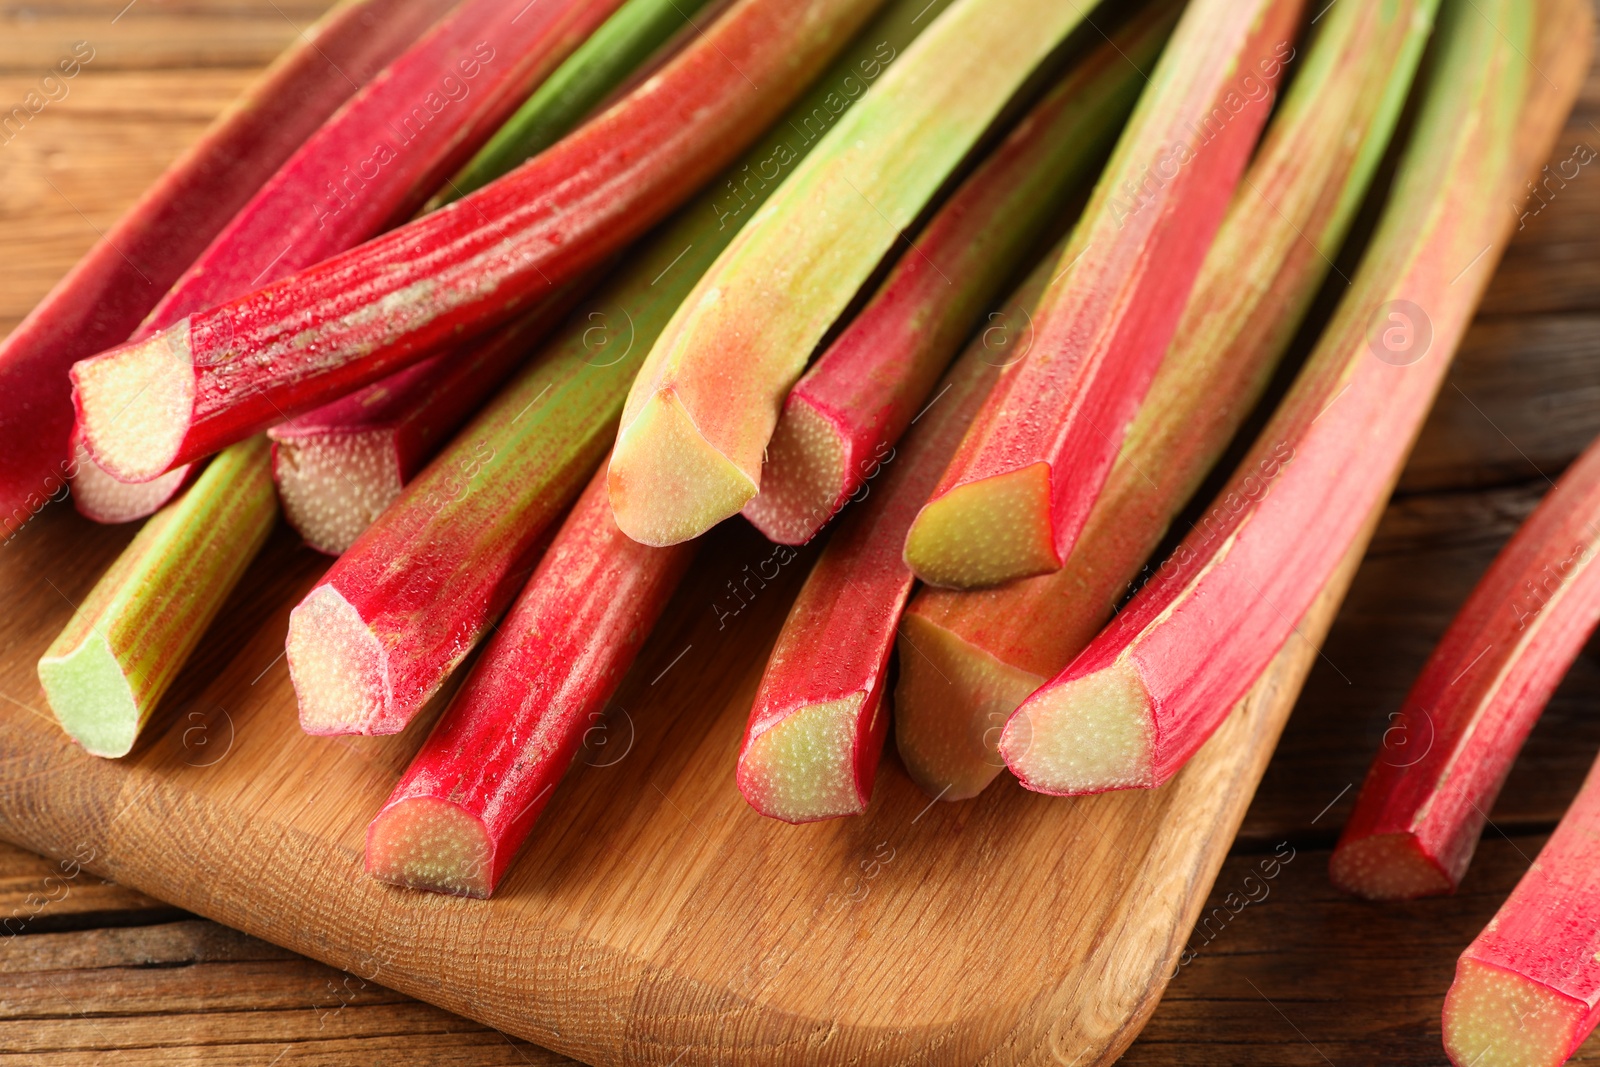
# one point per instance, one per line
(428, 843)
(338, 666)
(802, 478)
(950, 706)
(986, 532)
(667, 483)
(136, 404)
(1086, 736)
(1386, 867)
(803, 769)
(91, 697)
(1496, 1018)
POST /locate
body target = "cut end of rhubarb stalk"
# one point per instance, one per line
(339, 669)
(428, 843)
(802, 478)
(134, 404)
(986, 532)
(950, 706)
(667, 483)
(102, 498)
(1387, 867)
(1495, 1018)
(802, 769)
(1089, 735)
(91, 697)
(334, 486)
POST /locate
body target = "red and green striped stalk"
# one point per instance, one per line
(612, 53)
(1446, 754)
(1020, 488)
(705, 404)
(968, 658)
(223, 374)
(107, 671)
(107, 294)
(1149, 690)
(339, 467)
(407, 602)
(1527, 990)
(471, 795)
(857, 399)
(816, 730)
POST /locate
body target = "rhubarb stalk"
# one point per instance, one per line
(222, 374)
(1527, 990)
(471, 795)
(107, 670)
(1148, 691)
(637, 29)
(406, 603)
(1019, 489)
(704, 406)
(859, 396)
(1446, 753)
(968, 658)
(104, 297)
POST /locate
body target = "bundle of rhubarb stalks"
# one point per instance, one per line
(505, 305)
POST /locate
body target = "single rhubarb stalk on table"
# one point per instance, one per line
(106, 672)
(223, 374)
(969, 657)
(107, 294)
(1426, 798)
(1019, 489)
(705, 404)
(471, 795)
(1527, 990)
(816, 729)
(858, 397)
(406, 603)
(1150, 689)
(636, 30)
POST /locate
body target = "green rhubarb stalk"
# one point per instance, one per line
(699, 416)
(428, 577)
(107, 671)
(979, 653)
(599, 65)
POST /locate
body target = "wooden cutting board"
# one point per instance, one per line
(653, 917)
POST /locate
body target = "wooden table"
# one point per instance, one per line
(1304, 976)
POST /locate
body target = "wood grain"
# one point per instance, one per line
(654, 854)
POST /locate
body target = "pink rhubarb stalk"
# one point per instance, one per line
(816, 730)
(1019, 489)
(1527, 990)
(1146, 693)
(1447, 752)
(471, 796)
(860, 395)
(222, 374)
(339, 467)
(107, 294)
(969, 657)
(416, 592)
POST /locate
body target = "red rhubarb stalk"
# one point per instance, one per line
(407, 602)
(1447, 751)
(1146, 693)
(104, 297)
(471, 795)
(1527, 990)
(816, 730)
(860, 395)
(1019, 489)
(222, 374)
(969, 657)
